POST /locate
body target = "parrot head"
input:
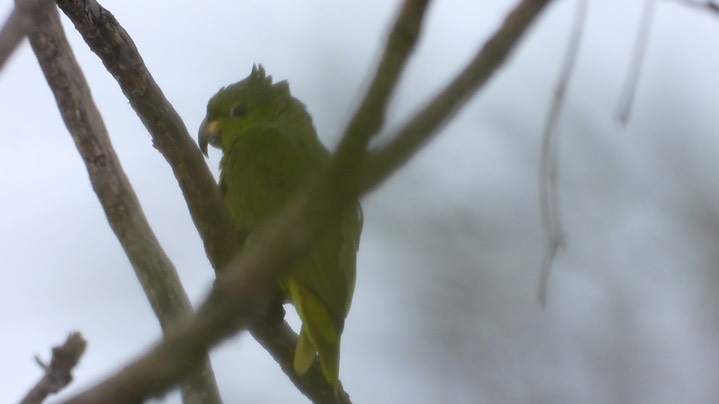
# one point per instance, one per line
(248, 103)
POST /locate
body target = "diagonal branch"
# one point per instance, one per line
(115, 48)
(711, 6)
(20, 21)
(242, 290)
(152, 266)
(370, 116)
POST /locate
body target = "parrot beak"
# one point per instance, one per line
(209, 133)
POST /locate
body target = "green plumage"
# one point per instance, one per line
(270, 150)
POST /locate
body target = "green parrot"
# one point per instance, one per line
(270, 150)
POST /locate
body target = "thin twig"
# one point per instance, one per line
(630, 86)
(708, 5)
(152, 266)
(58, 374)
(22, 18)
(242, 289)
(548, 188)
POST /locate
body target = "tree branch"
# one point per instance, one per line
(629, 90)
(58, 373)
(418, 131)
(152, 266)
(244, 288)
(548, 189)
(22, 18)
(370, 116)
(708, 5)
(118, 53)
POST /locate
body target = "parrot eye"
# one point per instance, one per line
(238, 111)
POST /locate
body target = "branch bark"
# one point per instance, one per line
(111, 43)
(20, 21)
(58, 373)
(152, 266)
(370, 116)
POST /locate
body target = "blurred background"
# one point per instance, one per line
(446, 305)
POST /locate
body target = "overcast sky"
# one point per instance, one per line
(445, 308)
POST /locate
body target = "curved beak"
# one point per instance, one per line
(209, 133)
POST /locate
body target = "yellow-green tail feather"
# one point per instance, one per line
(305, 353)
(318, 334)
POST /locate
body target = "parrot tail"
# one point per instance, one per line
(305, 353)
(319, 334)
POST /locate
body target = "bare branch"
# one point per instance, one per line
(152, 266)
(21, 20)
(58, 374)
(425, 123)
(369, 117)
(118, 53)
(630, 86)
(707, 5)
(548, 189)
(243, 289)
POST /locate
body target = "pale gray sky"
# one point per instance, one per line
(445, 308)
